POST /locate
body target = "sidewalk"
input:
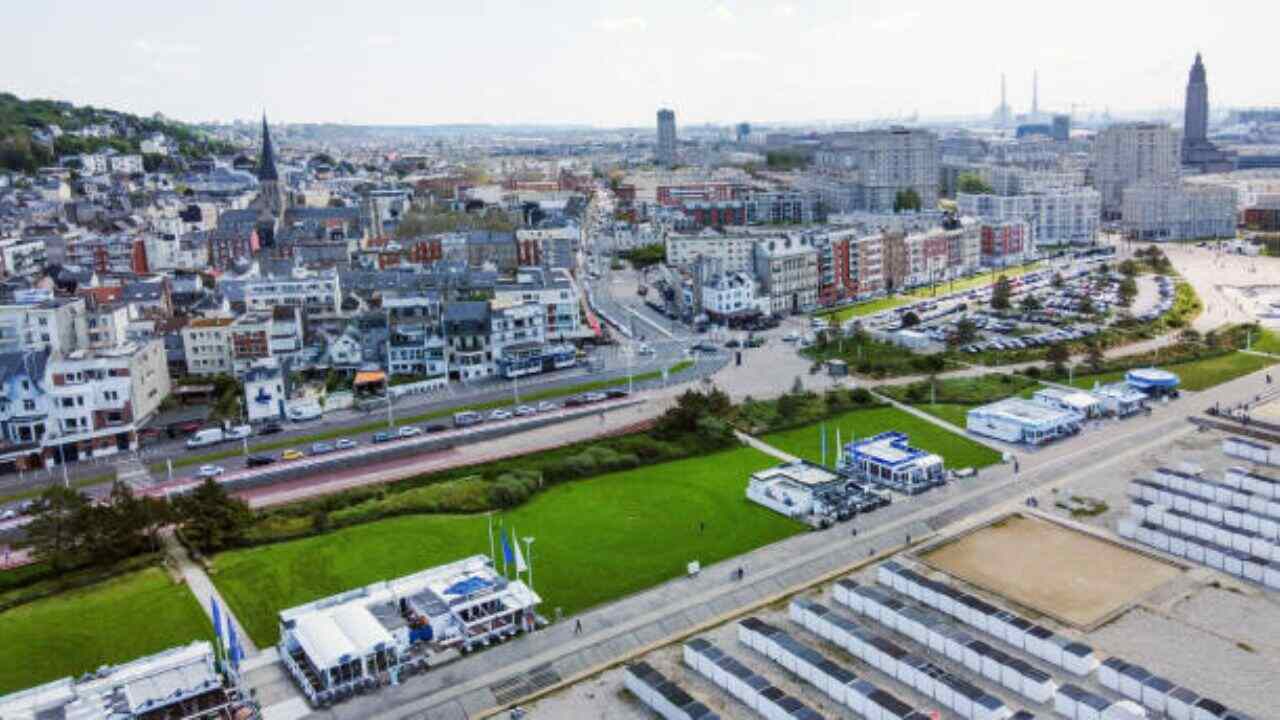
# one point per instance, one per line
(202, 587)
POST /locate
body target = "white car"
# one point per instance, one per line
(345, 444)
(547, 406)
(526, 410)
(409, 431)
(210, 471)
(500, 414)
(8, 514)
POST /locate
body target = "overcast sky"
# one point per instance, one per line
(613, 63)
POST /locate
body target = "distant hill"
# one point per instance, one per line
(21, 121)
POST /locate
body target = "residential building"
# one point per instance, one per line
(787, 268)
(781, 207)
(116, 253)
(24, 408)
(882, 163)
(517, 337)
(125, 164)
(1062, 128)
(730, 253)
(21, 257)
(317, 293)
(57, 325)
(264, 391)
(107, 324)
(555, 291)
(206, 344)
(1181, 211)
(666, 144)
(1056, 217)
(99, 399)
(468, 353)
(1130, 153)
(1006, 243)
(552, 246)
(417, 345)
(727, 296)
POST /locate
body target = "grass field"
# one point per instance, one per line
(956, 396)
(872, 307)
(68, 634)
(597, 540)
(1195, 375)
(529, 397)
(956, 450)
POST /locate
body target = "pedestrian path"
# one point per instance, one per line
(764, 447)
(203, 589)
(133, 473)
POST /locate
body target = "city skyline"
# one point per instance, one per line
(709, 61)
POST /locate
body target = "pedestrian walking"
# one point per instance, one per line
(702, 527)
(1015, 466)
(577, 627)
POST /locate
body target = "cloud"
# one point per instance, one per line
(737, 57)
(723, 12)
(785, 10)
(622, 24)
(380, 41)
(896, 23)
(166, 49)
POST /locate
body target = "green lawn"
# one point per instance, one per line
(529, 397)
(955, 413)
(1267, 342)
(956, 450)
(74, 632)
(1197, 374)
(872, 307)
(956, 396)
(597, 540)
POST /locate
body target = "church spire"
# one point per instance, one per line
(267, 163)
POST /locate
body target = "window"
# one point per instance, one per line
(29, 405)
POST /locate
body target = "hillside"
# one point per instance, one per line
(19, 118)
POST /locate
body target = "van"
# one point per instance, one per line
(205, 438)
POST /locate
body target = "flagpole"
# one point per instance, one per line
(493, 556)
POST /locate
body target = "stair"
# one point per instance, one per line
(132, 472)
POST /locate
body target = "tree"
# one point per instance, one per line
(1031, 304)
(56, 533)
(966, 332)
(1093, 356)
(910, 319)
(1128, 291)
(1085, 306)
(972, 184)
(210, 518)
(1129, 268)
(906, 200)
(1058, 354)
(1000, 293)
(1058, 281)
(1190, 336)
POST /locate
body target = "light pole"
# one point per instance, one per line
(391, 420)
(528, 557)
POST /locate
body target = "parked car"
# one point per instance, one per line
(239, 432)
(270, 428)
(383, 436)
(258, 460)
(206, 437)
(321, 448)
(408, 431)
(547, 406)
(8, 514)
(593, 397)
(210, 471)
(436, 428)
(525, 410)
(291, 455)
(303, 414)
(500, 414)
(467, 418)
(614, 393)
(345, 444)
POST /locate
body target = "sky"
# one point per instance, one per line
(610, 63)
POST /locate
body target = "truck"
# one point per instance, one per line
(206, 437)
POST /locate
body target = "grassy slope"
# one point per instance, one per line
(888, 303)
(129, 616)
(1195, 375)
(597, 540)
(956, 450)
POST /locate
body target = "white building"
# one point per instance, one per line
(733, 294)
(1178, 211)
(206, 343)
(791, 488)
(1022, 421)
(365, 637)
(58, 325)
(882, 163)
(787, 268)
(315, 293)
(556, 292)
(264, 393)
(182, 683)
(1131, 153)
(728, 253)
(889, 460)
(1057, 217)
(21, 257)
(1077, 401)
(125, 164)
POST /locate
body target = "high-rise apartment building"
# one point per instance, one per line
(883, 163)
(666, 153)
(1129, 153)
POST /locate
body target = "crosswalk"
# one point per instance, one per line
(133, 473)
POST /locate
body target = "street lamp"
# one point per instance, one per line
(528, 557)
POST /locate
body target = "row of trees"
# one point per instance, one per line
(70, 530)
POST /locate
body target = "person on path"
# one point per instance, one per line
(577, 626)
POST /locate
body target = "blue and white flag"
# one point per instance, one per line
(217, 618)
(520, 564)
(235, 652)
(508, 556)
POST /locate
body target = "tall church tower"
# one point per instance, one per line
(270, 202)
(1195, 126)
